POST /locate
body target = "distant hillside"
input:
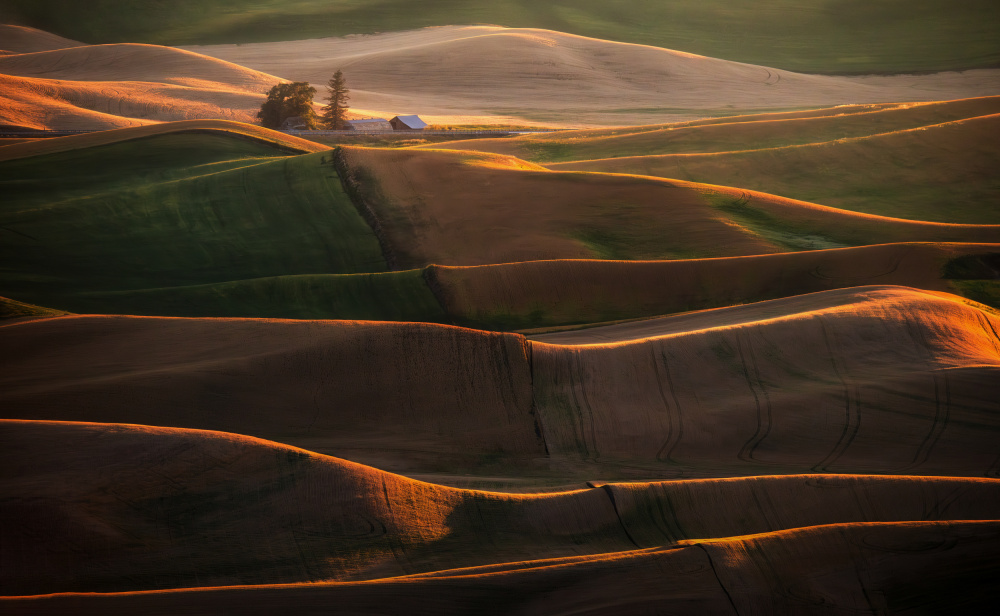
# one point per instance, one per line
(52, 83)
(839, 36)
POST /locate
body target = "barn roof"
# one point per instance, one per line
(366, 121)
(412, 121)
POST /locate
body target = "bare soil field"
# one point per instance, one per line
(561, 79)
(463, 208)
(48, 84)
(20, 39)
(755, 389)
(536, 294)
(161, 494)
(936, 566)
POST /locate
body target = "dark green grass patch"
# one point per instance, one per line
(392, 296)
(172, 211)
(838, 36)
(780, 231)
(983, 291)
(985, 266)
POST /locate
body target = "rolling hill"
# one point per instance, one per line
(744, 363)
(59, 85)
(826, 36)
(152, 208)
(321, 519)
(730, 134)
(942, 172)
(463, 208)
(548, 78)
(553, 78)
(209, 218)
(860, 380)
(538, 294)
(19, 39)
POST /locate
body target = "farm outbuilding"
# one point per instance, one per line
(294, 123)
(369, 125)
(408, 122)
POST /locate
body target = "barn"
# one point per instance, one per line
(408, 122)
(369, 125)
(294, 123)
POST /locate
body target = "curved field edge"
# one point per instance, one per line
(320, 519)
(541, 294)
(287, 144)
(537, 295)
(467, 208)
(735, 133)
(942, 172)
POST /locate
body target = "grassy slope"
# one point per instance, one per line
(178, 210)
(818, 36)
(945, 172)
(227, 225)
(278, 142)
(738, 133)
(386, 296)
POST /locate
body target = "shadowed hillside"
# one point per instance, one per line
(552, 293)
(869, 380)
(161, 494)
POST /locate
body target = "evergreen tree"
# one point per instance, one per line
(335, 111)
(288, 100)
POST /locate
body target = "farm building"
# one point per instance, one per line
(368, 125)
(409, 122)
(294, 123)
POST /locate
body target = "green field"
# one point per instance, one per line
(940, 173)
(177, 210)
(827, 36)
(210, 224)
(737, 134)
(387, 296)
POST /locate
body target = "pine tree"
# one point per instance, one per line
(335, 111)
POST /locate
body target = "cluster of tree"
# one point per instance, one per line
(295, 100)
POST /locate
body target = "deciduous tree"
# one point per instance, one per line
(288, 100)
